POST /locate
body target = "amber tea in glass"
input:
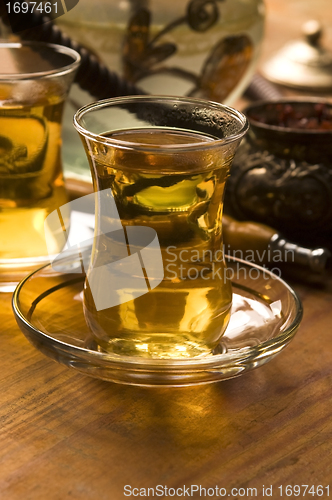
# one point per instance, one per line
(34, 82)
(164, 162)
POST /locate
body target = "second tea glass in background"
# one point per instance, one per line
(158, 164)
(35, 78)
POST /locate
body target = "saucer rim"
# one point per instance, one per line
(199, 363)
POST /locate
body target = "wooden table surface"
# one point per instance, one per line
(67, 436)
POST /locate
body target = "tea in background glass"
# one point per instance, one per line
(35, 79)
(158, 164)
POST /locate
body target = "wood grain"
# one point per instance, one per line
(65, 435)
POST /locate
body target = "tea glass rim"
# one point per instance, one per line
(170, 148)
(35, 75)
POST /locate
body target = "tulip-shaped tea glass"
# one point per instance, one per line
(156, 284)
(35, 79)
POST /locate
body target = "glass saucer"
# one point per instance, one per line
(266, 314)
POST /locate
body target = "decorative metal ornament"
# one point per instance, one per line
(303, 64)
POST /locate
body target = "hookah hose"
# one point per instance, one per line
(260, 88)
(93, 76)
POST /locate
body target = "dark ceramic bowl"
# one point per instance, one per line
(282, 173)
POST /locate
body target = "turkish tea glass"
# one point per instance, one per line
(157, 285)
(35, 79)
